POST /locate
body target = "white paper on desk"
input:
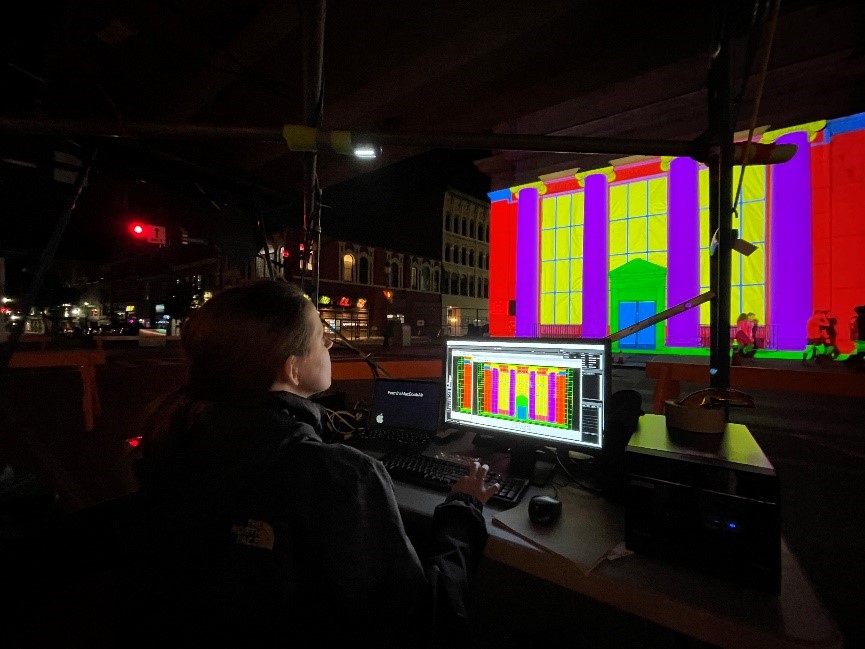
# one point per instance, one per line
(588, 529)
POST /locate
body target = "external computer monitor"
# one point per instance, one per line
(530, 393)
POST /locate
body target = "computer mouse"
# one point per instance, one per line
(544, 510)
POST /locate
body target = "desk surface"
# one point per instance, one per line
(699, 606)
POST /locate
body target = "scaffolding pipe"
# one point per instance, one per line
(499, 141)
(720, 207)
(312, 13)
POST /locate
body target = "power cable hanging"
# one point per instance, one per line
(761, 82)
(312, 14)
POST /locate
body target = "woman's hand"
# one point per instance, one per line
(473, 483)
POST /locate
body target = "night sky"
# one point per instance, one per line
(398, 206)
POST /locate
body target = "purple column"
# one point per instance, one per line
(551, 397)
(596, 290)
(512, 396)
(532, 395)
(528, 285)
(683, 252)
(790, 254)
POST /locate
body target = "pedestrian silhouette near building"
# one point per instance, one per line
(857, 336)
(815, 332)
(387, 332)
(830, 333)
(755, 323)
(745, 346)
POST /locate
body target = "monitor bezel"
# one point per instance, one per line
(522, 441)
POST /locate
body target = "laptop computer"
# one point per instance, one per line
(405, 413)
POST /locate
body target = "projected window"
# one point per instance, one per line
(747, 274)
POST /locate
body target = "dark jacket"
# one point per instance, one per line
(259, 532)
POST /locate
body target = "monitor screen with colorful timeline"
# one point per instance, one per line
(538, 392)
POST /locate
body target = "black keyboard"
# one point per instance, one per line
(405, 436)
(440, 474)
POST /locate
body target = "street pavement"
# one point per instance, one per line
(816, 444)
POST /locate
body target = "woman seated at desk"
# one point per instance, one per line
(258, 531)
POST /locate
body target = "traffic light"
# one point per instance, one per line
(147, 232)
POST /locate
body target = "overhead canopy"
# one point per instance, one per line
(561, 67)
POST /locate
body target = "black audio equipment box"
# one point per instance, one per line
(707, 501)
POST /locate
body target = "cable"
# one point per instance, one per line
(343, 421)
(761, 83)
(579, 483)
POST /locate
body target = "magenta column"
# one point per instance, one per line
(528, 284)
(683, 252)
(596, 289)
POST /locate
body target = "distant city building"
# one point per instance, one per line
(361, 287)
(465, 263)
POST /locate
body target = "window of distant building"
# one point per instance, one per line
(446, 278)
(435, 281)
(363, 270)
(414, 277)
(455, 284)
(447, 253)
(471, 257)
(464, 285)
(425, 278)
(465, 227)
(447, 221)
(472, 229)
(471, 286)
(486, 288)
(463, 262)
(393, 279)
(348, 267)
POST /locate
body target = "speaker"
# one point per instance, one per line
(623, 418)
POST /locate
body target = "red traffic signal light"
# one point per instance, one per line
(147, 232)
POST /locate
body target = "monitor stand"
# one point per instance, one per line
(526, 460)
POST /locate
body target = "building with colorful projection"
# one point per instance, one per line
(588, 253)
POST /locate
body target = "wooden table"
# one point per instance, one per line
(525, 581)
(85, 360)
(668, 376)
(414, 368)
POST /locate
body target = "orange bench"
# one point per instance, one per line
(85, 360)
(669, 374)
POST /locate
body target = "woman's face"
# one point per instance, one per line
(314, 366)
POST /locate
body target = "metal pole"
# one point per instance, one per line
(312, 13)
(720, 207)
(500, 141)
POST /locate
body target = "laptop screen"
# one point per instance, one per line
(406, 403)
